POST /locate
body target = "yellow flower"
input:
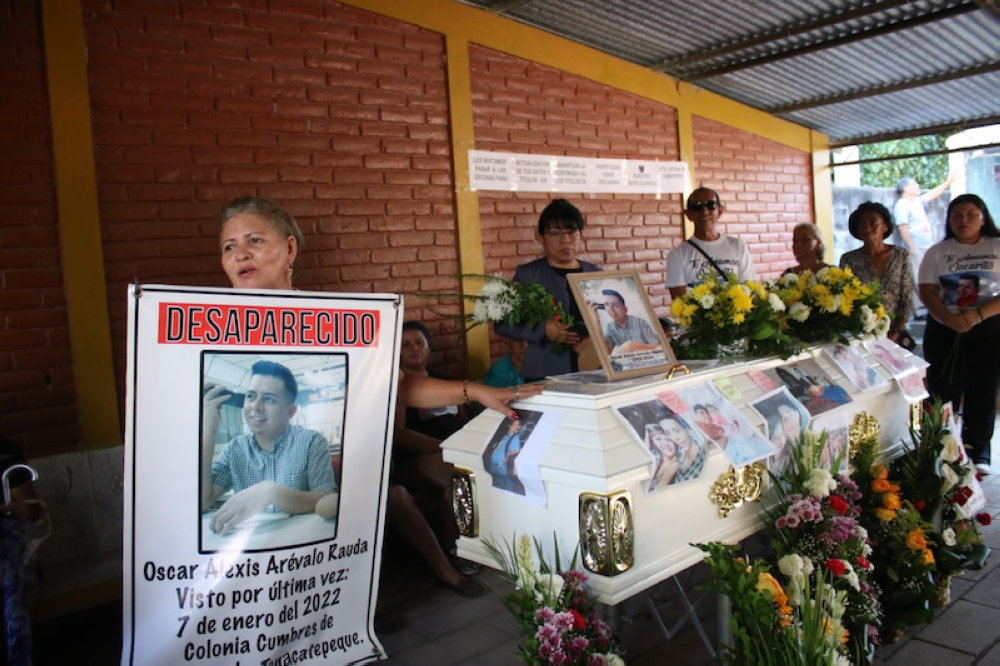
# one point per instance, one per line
(689, 310)
(757, 288)
(739, 318)
(880, 311)
(915, 540)
(885, 515)
(891, 501)
(791, 296)
(768, 583)
(700, 291)
(819, 290)
(677, 307)
(847, 272)
(928, 557)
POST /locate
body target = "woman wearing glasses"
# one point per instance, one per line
(709, 250)
(553, 347)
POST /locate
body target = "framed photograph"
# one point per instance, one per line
(677, 451)
(627, 336)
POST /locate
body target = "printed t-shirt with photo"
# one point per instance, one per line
(685, 263)
(967, 275)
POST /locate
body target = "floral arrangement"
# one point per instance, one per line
(719, 311)
(503, 301)
(829, 305)
(767, 625)
(813, 528)
(938, 476)
(553, 609)
(904, 564)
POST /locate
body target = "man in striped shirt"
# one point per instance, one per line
(278, 467)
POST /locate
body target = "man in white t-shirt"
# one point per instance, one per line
(913, 230)
(686, 264)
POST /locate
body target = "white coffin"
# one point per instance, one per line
(593, 452)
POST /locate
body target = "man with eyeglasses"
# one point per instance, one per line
(560, 227)
(709, 251)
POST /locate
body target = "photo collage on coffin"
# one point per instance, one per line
(677, 451)
(903, 366)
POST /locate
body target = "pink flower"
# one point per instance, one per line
(544, 614)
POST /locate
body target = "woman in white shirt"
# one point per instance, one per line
(960, 284)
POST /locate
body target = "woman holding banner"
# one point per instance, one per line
(259, 242)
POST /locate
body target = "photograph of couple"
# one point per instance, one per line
(677, 450)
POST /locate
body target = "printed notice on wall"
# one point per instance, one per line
(517, 172)
(256, 456)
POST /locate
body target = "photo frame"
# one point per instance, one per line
(628, 339)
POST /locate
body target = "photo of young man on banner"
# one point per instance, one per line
(271, 449)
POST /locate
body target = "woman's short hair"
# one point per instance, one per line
(870, 207)
(812, 229)
(272, 212)
(989, 226)
(902, 183)
(560, 214)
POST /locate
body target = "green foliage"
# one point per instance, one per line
(929, 170)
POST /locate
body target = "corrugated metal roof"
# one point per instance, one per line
(909, 67)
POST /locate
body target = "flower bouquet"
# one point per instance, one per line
(813, 528)
(939, 478)
(719, 312)
(904, 564)
(553, 609)
(767, 626)
(828, 305)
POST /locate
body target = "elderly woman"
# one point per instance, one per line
(872, 223)
(960, 341)
(260, 241)
(808, 249)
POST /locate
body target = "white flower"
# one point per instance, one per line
(789, 279)
(611, 659)
(799, 311)
(951, 450)
(480, 313)
(820, 483)
(776, 303)
(867, 318)
(795, 568)
(549, 586)
(526, 570)
(769, 284)
(840, 659)
(790, 565)
(949, 537)
(493, 288)
(882, 327)
(851, 577)
(834, 304)
(707, 301)
(746, 289)
(948, 478)
(823, 273)
(496, 311)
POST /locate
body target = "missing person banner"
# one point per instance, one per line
(258, 428)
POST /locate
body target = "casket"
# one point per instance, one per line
(595, 475)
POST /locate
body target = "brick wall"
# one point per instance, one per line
(522, 107)
(766, 187)
(337, 113)
(37, 395)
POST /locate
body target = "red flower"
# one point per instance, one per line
(979, 477)
(836, 566)
(959, 498)
(555, 306)
(966, 490)
(984, 518)
(919, 505)
(579, 622)
(838, 504)
(863, 563)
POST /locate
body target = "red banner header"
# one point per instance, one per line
(192, 324)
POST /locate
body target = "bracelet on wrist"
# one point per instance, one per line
(465, 390)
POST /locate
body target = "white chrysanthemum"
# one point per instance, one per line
(493, 288)
(861, 532)
(867, 318)
(949, 537)
(611, 659)
(822, 274)
(948, 478)
(882, 327)
(497, 310)
(746, 289)
(789, 279)
(791, 565)
(707, 301)
(548, 587)
(776, 303)
(798, 311)
(479, 312)
(820, 483)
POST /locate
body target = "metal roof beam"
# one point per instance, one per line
(884, 90)
(910, 156)
(505, 6)
(990, 6)
(917, 131)
(924, 19)
(780, 33)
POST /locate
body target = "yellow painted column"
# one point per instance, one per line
(685, 143)
(822, 189)
(470, 244)
(79, 224)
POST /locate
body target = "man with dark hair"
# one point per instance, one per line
(709, 250)
(626, 333)
(278, 467)
(553, 346)
(967, 292)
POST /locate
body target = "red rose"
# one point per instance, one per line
(579, 622)
(863, 563)
(919, 505)
(984, 518)
(838, 504)
(836, 566)
(966, 490)
(959, 498)
(979, 477)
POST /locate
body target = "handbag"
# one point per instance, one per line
(905, 340)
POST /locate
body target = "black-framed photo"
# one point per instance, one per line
(624, 328)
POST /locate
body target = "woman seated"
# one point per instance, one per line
(808, 249)
(871, 224)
